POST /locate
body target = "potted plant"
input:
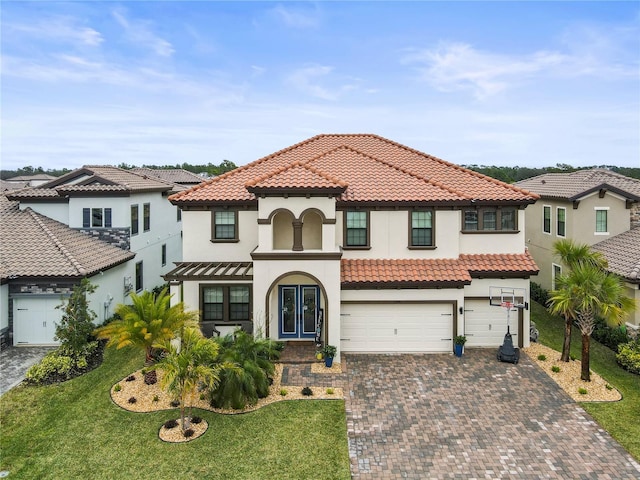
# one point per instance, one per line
(329, 351)
(458, 344)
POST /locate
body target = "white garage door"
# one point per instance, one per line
(396, 327)
(485, 326)
(34, 320)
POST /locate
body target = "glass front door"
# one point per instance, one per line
(298, 305)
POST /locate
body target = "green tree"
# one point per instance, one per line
(188, 366)
(572, 254)
(586, 292)
(74, 331)
(148, 322)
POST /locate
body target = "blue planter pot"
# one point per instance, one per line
(458, 350)
(328, 361)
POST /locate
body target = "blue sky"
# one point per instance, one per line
(488, 83)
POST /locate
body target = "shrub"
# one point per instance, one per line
(307, 392)
(188, 433)
(329, 391)
(555, 369)
(169, 424)
(156, 398)
(64, 364)
(196, 420)
(131, 378)
(175, 403)
(572, 357)
(542, 358)
(75, 327)
(539, 294)
(628, 356)
(608, 336)
(132, 400)
(151, 377)
(117, 387)
(582, 391)
(283, 392)
(608, 387)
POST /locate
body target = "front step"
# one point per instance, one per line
(298, 352)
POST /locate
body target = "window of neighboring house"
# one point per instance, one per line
(421, 234)
(225, 225)
(178, 214)
(139, 283)
(226, 303)
(561, 222)
(557, 271)
(96, 217)
(146, 214)
(546, 219)
(164, 254)
(601, 220)
(134, 220)
(490, 219)
(356, 228)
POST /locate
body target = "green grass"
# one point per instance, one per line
(74, 430)
(621, 419)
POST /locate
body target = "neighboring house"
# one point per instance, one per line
(31, 180)
(119, 207)
(587, 206)
(40, 262)
(6, 185)
(395, 250)
(623, 256)
(178, 176)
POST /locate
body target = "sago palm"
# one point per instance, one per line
(148, 321)
(588, 292)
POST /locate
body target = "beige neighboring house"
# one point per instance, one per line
(380, 246)
(40, 261)
(623, 257)
(587, 206)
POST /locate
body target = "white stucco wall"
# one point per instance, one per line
(110, 291)
(4, 306)
(120, 213)
(58, 211)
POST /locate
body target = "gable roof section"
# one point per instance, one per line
(574, 185)
(32, 245)
(453, 272)
(623, 254)
(173, 175)
(375, 169)
(298, 177)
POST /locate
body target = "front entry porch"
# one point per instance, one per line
(298, 352)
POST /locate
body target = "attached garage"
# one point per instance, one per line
(486, 325)
(396, 327)
(35, 319)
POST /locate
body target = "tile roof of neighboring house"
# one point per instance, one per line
(173, 175)
(375, 170)
(436, 272)
(28, 178)
(623, 254)
(32, 245)
(574, 185)
(6, 185)
(92, 179)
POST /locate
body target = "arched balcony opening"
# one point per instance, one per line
(282, 225)
(312, 231)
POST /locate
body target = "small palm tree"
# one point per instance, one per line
(587, 292)
(189, 366)
(150, 320)
(573, 254)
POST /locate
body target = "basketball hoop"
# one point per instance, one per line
(507, 305)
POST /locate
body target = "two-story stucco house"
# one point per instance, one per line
(393, 249)
(118, 207)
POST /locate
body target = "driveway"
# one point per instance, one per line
(14, 363)
(438, 416)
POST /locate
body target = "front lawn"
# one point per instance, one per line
(621, 419)
(74, 430)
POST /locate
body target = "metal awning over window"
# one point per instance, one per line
(210, 271)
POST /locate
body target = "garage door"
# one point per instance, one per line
(396, 327)
(34, 320)
(485, 326)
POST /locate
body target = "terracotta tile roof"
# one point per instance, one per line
(297, 176)
(32, 245)
(623, 254)
(575, 184)
(433, 272)
(375, 169)
(173, 175)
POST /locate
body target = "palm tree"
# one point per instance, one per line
(148, 322)
(188, 366)
(587, 292)
(573, 254)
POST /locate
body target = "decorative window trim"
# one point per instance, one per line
(135, 220)
(88, 217)
(555, 266)
(546, 208)
(480, 211)
(410, 245)
(146, 217)
(139, 276)
(235, 238)
(226, 302)
(558, 234)
(345, 230)
(606, 231)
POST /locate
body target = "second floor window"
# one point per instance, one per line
(356, 229)
(224, 225)
(601, 221)
(146, 213)
(163, 254)
(422, 229)
(139, 279)
(491, 219)
(96, 217)
(134, 220)
(546, 219)
(561, 224)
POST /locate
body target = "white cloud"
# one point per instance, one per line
(139, 33)
(58, 28)
(306, 79)
(297, 17)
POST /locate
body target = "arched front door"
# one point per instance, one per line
(298, 307)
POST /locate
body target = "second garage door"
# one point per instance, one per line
(396, 327)
(485, 325)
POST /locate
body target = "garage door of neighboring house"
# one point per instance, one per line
(34, 320)
(485, 325)
(396, 327)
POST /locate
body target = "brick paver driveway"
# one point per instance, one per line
(438, 416)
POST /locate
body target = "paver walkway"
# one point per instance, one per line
(14, 363)
(438, 416)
